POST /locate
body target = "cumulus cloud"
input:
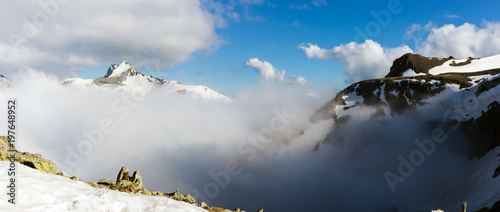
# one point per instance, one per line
(363, 61)
(371, 60)
(270, 74)
(314, 51)
(467, 40)
(63, 36)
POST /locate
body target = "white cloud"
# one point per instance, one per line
(270, 74)
(319, 3)
(172, 136)
(415, 31)
(314, 51)
(65, 37)
(461, 41)
(371, 60)
(411, 31)
(363, 61)
(234, 16)
(266, 71)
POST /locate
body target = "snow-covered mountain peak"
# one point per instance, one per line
(126, 77)
(121, 70)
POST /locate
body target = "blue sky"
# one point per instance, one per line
(268, 30)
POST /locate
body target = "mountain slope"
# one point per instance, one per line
(4, 82)
(393, 95)
(127, 77)
(457, 97)
(39, 191)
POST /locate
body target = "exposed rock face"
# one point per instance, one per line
(497, 172)
(34, 161)
(136, 178)
(395, 95)
(123, 174)
(494, 208)
(123, 182)
(485, 129)
(398, 94)
(133, 184)
(418, 63)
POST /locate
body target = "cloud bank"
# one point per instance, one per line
(255, 152)
(175, 142)
(60, 36)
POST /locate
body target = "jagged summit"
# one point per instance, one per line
(125, 76)
(123, 69)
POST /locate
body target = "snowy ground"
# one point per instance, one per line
(38, 191)
(482, 64)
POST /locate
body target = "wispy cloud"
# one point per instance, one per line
(304, 6)
(272, 5)
(295, 23)
(252, 1)
(319, 3)
(415, 31)
(255, 18)
(452, 16)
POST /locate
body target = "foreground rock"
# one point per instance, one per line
(34, 161)
(123, 183)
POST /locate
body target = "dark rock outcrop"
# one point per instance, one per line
(123, 174)
(484, 132)
(418, 63)
(35, 161)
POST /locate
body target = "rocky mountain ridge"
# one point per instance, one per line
(463, 96)
(126, 77)
(391, 96)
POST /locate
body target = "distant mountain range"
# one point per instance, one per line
(125, 76)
